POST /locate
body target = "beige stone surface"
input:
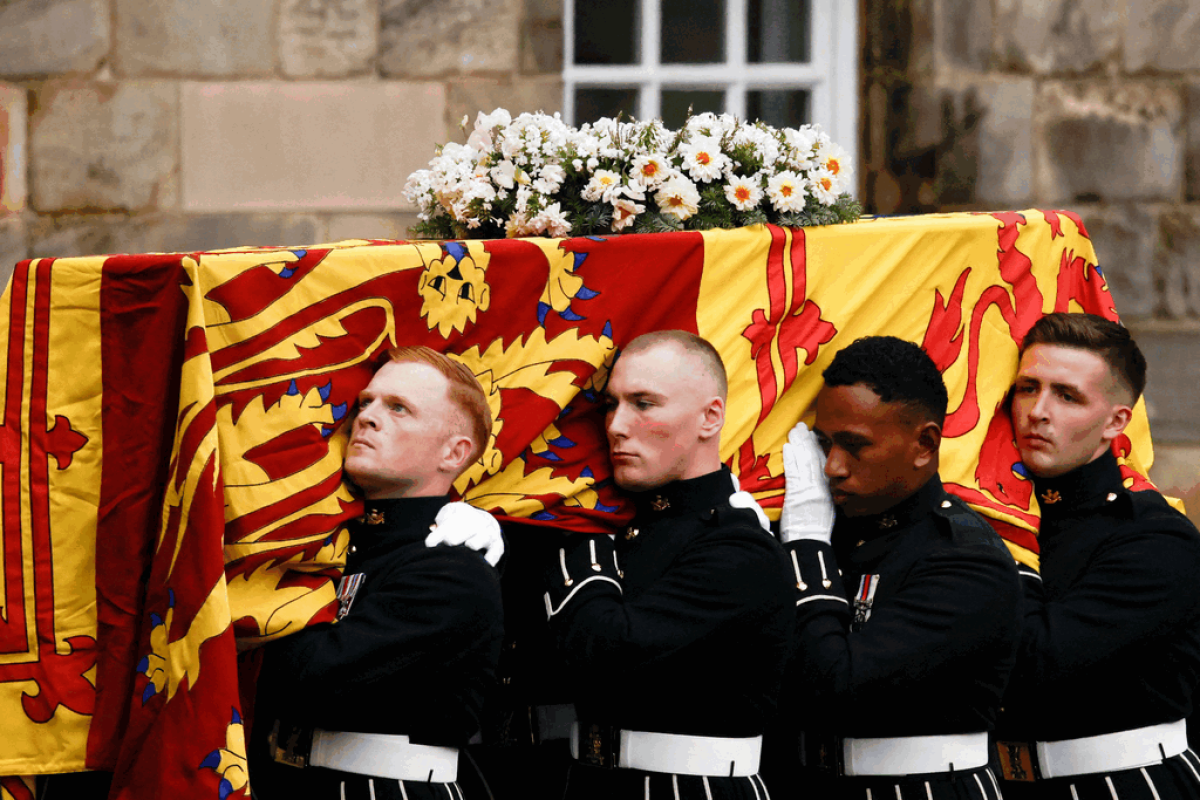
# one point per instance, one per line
(49, 37)
(169, 233)
(422, 39)
(370, 226)
(13, 150)
(1176, 472)
(468, 96)
(328, 38)
(963, 33)
(1192, 170)
(196, 37)
(104, 146)
(308, 145)
(1005, 143)
(1054, 36)
(13, 246)
(1113, 141)
(1125, 237)
(1163, 35)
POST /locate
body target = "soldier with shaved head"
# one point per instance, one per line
(676, 634)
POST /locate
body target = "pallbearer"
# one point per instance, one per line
(1110, 650)
(676, 634)
(905, 606)
(377, 705)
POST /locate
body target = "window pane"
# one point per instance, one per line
(778, 31)
(594, 102)
(693, 31)
(675, 104)
(606, 33)
(783, 108)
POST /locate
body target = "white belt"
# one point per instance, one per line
(679, 754)
(915, 755)
(383, 755)
(1110, 752)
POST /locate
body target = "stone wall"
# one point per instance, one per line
(1089, 105)
(161, 125)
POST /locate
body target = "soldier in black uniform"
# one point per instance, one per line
(1110, 648)
(675, 637)
(906, 606)
(377, 704)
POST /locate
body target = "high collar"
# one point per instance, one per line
(396, 520)
(1083, 488)
(683, 497)
(897, 519)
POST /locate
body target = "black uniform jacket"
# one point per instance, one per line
(916, 635)
(416, 649)
(684, 626)
(1111, 637)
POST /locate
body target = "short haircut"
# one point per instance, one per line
(896, 370)
(1105, 338)
(690, 343)
(464, 391)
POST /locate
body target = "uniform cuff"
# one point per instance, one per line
(584, 563)
(818, 581)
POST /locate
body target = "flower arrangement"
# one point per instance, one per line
(536, 175)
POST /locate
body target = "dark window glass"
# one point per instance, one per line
(594, 102)
(606, 32)
(693, 32)
(783, 108)
(778, 31)
(675, 104)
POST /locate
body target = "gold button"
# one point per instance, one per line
(353, 549)
(946, 504)
(631, 533)
(1111, 496)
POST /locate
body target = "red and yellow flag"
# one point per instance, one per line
(173, 439)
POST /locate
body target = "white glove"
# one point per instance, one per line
(807, 505)
(740, 499)
(459, 523)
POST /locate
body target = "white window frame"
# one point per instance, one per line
(831, 76)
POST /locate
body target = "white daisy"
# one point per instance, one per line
(678, 197)
(625, 212)
(744, 193)
(650, 169)
(824, 187)
(601, 186)
(786, 191)
(703, 159)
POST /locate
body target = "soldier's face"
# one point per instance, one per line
(872, 449)
(1066, 408)
(657, 405)
(402, 428)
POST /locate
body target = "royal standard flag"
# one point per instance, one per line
(173, 430)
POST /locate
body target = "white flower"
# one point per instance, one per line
(786, 192)
(503, 174)
(625, 212)
(824, 187)
(601, 186)
(833, 159)
(650, 169)
(703, 159)
(744, 193)
(552, 221)
(678, 197)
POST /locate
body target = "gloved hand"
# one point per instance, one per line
(459, 523)
(740, 499)
(807, 505)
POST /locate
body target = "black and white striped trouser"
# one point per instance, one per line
(599, 783)
(1177, 778)
(967, 784)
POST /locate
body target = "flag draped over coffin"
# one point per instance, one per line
(173, 430)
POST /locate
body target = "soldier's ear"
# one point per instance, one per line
(712, 419)
(928, 442)
(1118, 419)
(456, 453)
